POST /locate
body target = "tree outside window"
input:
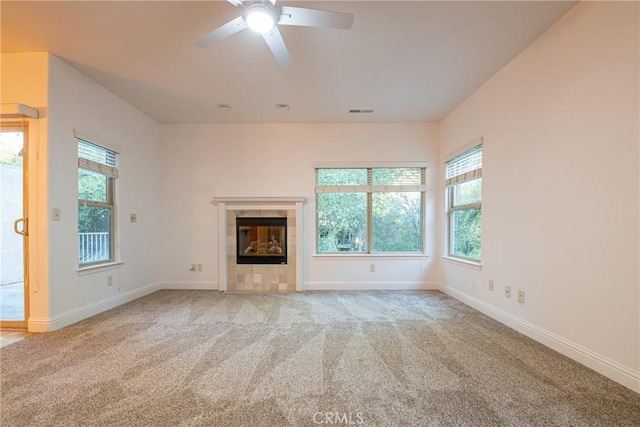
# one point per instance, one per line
(370, 210)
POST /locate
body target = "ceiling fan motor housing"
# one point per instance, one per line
(261, 17)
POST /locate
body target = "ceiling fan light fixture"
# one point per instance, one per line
(259, 17)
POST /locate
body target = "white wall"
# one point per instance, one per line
(75, 101)
(271, 160)
(560, 189)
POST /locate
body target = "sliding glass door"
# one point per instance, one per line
(13, 225)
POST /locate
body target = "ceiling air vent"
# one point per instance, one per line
(358, 111)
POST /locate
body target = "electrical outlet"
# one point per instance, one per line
(198, 267)
(109, 280)
(133, 217)
(372, 268)
(193, 267)
(520, 296)
(491, 285)
(507, 291)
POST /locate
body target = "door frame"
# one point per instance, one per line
(24, 128)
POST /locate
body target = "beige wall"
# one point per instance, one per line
(560, 188)
(277, 160)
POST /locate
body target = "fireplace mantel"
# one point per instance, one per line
(292, 200)
(228, 207)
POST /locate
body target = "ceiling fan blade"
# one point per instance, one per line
(235, 2)
(228, 29)
(278, 48)
(315, 18)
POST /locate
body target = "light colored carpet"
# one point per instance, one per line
(201, 358)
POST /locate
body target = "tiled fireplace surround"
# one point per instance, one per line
(260, 278)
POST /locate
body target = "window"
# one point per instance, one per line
(370, 210)
(464, 204)
(97, 172)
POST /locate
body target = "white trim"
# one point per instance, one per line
(463, 262)
(222, 246)
(191, 286)
(619, 373)
(289, 200)
(299, 247)
(335, 256)
(99, 268)
(282, 207)
(372, 286)
(17, 111)
(96, 140)
(371, 188)
(366, 165)
(44, 324)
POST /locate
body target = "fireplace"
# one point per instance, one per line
(261, 240)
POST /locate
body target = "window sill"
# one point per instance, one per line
(99, 268)
(351, 256)
(463, 262)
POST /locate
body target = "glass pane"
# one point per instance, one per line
(11, 208)
(397, 176)
(92, 186)
(94, 234)
(466, 233)
(467, 192)
(342, 222)
(397, 222)
(341, 177)
(11, 145)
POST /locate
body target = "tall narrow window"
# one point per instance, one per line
(464, 204)
(97, 172)
(370, 210)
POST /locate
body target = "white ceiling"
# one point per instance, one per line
(407, 60)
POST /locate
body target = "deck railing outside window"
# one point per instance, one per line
(94, 247)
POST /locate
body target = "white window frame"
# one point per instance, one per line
(452, 179)
(112, 173)
(370, 190)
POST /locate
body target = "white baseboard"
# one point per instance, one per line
(202, 286)
(370, 286)
(45, 324)
(621, 374)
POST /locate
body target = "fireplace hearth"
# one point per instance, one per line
(234, 275)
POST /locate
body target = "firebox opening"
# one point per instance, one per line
(261, 240)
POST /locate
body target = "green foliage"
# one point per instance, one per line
(342, 222)
(10, 159)
(466, 224)
(396, 216)
(467, 233)
(93, 187)
(397, 225)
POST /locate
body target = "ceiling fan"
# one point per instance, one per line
(264, 17)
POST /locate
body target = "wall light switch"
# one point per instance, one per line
(133, 217)
(56, 214)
